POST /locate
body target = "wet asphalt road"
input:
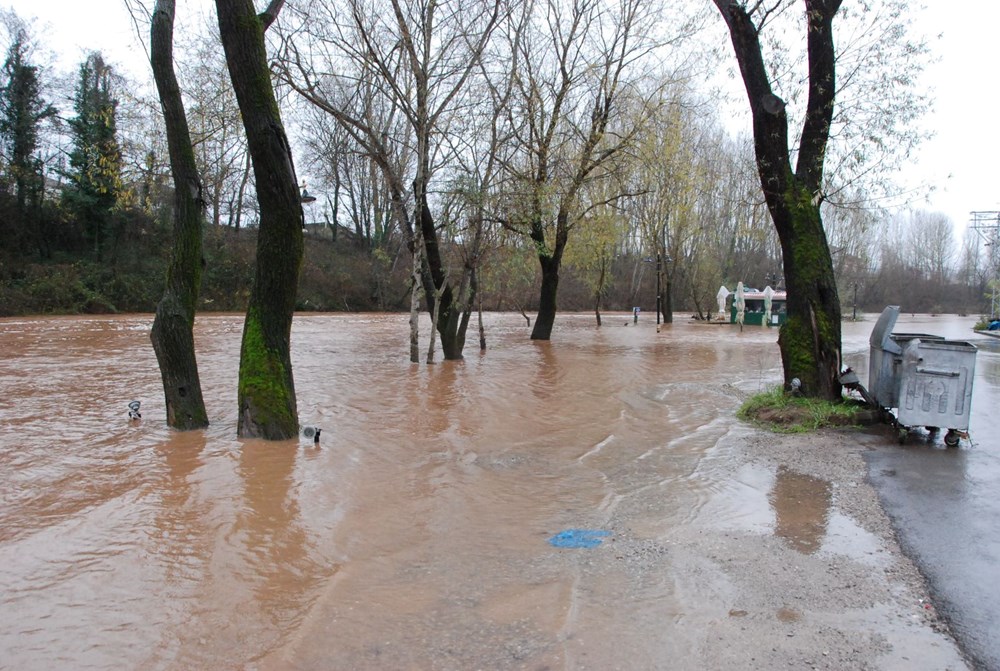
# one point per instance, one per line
(946, 502)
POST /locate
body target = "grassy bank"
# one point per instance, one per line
(788, 413)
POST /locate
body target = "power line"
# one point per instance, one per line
(987, 224)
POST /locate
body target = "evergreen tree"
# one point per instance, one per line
(96, 159)
(21, 111)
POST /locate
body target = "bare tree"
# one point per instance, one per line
(577, 108)
(480, 145)
(931, 244)
(354, 184)
(867, 66)
(216, 129)
(415, 60)
(669, 173)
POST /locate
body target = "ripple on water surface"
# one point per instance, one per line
(416, 532)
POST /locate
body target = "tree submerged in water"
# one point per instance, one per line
(267, 404)
(173, 327)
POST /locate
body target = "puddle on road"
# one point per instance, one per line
(788, 615)
(798, 508)
(802, 507)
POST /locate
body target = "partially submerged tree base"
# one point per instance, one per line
(173, 342)
(173, 327)
(267, 406)
(266, 389)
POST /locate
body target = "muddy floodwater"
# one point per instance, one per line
(420, 533)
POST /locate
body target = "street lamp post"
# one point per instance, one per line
(659, 292)
(305, 197)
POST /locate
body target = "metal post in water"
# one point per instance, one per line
(659, 292)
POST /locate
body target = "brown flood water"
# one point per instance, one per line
(415, 536)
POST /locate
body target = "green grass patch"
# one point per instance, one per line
(785, 413)
(982, 324)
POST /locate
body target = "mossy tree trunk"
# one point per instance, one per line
(267, 405)
(810, 340)
(173, 326)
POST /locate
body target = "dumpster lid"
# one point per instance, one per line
(953, 345)
(880, 336)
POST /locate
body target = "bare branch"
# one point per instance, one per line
(269, 15)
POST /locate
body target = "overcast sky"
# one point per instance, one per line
(960, 160)
(962, 157)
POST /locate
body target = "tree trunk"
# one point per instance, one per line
(668, 300)
(415, 299)
(599, 293)
(435, 315)
(173, 326)
(550, 262)
(666, 290)
(811, 335)
(810, 339)
(241, 194)
(482, 329)
(550, 259)
(267, 404)
(468, 286)
(546, 317)
(439, 293)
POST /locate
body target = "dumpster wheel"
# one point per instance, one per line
(951, 438)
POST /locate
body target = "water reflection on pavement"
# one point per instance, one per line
(944, 502)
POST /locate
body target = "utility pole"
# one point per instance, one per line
(987, 225)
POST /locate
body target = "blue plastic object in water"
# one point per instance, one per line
(579, 538)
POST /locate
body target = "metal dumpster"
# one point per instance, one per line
(926, 378)
(886, 357)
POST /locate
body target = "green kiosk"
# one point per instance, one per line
(755, 311)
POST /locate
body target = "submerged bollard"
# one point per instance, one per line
(312, 432)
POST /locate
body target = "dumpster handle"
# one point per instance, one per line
(942, 373)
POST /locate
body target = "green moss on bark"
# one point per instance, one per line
(810, 338)
(266, 399)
